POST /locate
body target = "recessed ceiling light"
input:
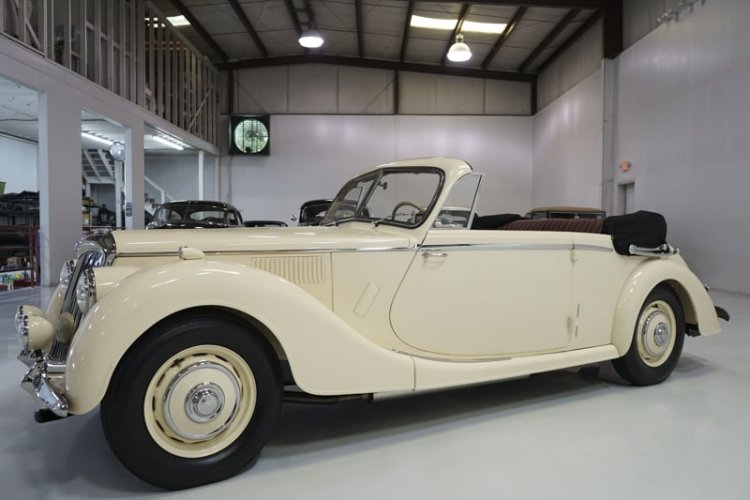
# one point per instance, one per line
(433, 23)
(177, 21)
(97, 138)
(450, 24)
(476, 27)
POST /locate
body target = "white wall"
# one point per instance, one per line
(178, 174)
(313, 155)
(683, 114)
(574, 65)
(18, 165)
(568, 147)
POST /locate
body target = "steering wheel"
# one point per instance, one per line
(406, 203)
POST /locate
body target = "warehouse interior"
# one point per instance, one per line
(621, 105)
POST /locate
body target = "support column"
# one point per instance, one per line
(201, 159)
(609, 162)
(134, 175)
(216, 194)
(60, 185)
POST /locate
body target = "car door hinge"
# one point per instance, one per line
(573, 255)
(573, 322)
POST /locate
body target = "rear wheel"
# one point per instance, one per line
(193, 402)
(657, 340)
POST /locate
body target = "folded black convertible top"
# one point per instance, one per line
(642, 228)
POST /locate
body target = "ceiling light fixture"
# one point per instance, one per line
(177, 21)
(433, 23)
(166, 142)
(459, 51)
(311, 39)
(97, 138)
(477, 27)
(450, 25)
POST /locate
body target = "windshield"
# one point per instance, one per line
(197, 213)
(401, 197)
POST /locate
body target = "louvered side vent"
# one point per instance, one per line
(307, 270)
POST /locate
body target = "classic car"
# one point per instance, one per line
(312, 212)
(192, 214)
(186, 342)
(566, 213)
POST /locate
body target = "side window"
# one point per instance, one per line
(458, 210)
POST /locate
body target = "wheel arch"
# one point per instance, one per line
(258, 299)
(697, 308)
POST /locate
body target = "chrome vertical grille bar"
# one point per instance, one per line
(70, 314)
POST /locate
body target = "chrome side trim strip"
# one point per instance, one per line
(453, 360)
(273, 251)
(500, 246)
(594, 248)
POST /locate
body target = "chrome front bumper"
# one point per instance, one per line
(37, 383)
(37, 380)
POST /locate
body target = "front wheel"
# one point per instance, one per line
(657, 340)
(193, 402)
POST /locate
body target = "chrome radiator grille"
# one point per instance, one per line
(70, 314)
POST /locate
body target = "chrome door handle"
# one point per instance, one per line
(431, 253)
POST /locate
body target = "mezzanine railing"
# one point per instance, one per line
(127, 47)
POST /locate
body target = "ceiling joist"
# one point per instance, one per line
(509, 28)
(405, 37)
(570, 41)
(358, 16)
(248, 26)
(196, 25)
(569, 17)
(377, 64)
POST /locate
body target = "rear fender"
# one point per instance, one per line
(325, 354)
(696, 304)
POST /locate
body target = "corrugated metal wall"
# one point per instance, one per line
(328, 89)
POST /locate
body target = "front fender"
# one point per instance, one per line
(325, 354)
(697, 305)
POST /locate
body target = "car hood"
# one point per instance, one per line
(261, 239)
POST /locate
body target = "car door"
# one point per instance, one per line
(487, 293)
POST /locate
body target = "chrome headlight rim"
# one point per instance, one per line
(22, 328)
(86, 290)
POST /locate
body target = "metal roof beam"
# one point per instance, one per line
(560, 4)
(358, 16)
(293, 14)
(612, 36)
(199, 29)
(248, 27)
(509, 28)
(456, 31)
(378, 64)
(549, 39)
(570, 41)
(405, 37)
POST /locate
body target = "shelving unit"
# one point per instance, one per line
(19, 240)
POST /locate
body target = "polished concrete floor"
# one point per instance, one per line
(560, 435)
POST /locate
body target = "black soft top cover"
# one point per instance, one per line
(642, 228)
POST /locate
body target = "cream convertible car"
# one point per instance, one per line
(187, 341)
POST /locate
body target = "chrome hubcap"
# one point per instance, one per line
(204, 402)
(656, 336)
(200, 401)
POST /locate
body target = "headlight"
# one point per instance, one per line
(66, 273)
(86, 291)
